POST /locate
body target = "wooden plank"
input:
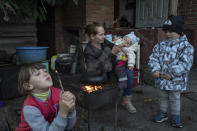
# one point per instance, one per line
(173, 7)
(17, 40)
(17, 28)
(11, 48)
(14, 34)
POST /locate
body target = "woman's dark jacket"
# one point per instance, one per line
(99, 61)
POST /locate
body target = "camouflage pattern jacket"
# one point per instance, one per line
(174, 57)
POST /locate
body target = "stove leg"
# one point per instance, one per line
(89, 116)
(118, 99)
(116, 115)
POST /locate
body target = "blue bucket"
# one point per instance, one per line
(31, 54)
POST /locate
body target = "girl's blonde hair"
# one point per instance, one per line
(25, 74)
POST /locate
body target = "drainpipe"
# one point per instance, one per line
(138, 63)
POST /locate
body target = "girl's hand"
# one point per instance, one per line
(66, 103)
(68, 96)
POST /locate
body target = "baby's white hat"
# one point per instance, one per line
(133, 37)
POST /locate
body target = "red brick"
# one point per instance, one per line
(101, 10)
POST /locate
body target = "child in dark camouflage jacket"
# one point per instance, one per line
(170, 63)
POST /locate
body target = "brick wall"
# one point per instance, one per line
(192, 37)
(87, 11)
(99, 10)
(74, 15)
(189, 8)
(69, 18)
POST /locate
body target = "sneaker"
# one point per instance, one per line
(129, 106)
(160, 117)
(176, 121)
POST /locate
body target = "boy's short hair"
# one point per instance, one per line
(174, 24)
(25, 74)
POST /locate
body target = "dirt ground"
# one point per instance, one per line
(145, 98)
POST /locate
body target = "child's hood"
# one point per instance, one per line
(134, 39)
(182, 38)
